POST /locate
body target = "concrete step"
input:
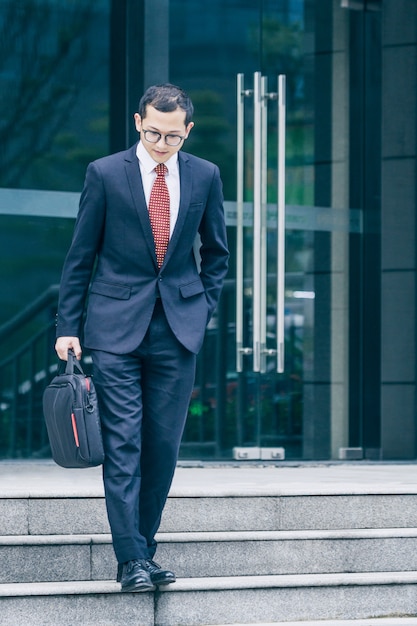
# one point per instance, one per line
(87, 515)
(291, 545)
(261, 553)
(379, 621)
(44, 558)
(214, 601)
(42, 498)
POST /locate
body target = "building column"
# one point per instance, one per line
(398, 230)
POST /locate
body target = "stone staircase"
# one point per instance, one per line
(248, 546)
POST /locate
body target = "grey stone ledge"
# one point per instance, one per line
(86, 587)
(378, 621)
(292, 580)
(216, 536)
(47, 540)
(214, 584)
(286, 535)
(47, 480)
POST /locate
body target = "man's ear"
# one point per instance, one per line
(138, 122)
(188, 129)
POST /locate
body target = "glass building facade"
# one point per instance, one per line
(71, 75)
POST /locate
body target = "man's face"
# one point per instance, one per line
(171, 123)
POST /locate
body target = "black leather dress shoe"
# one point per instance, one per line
(135, 576)
(158, 575)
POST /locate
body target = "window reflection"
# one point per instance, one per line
(53, 91)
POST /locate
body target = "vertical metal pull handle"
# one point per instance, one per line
(263, 235)
(257, 222)
(280, 317)
(259, 270)
(239, 222)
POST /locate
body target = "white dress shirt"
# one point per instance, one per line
(172, 178)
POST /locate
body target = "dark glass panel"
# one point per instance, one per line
(54, 91)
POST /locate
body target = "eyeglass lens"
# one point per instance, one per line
(154, 137)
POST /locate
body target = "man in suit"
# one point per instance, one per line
(148, 304)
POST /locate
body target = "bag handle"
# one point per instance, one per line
(73, 363)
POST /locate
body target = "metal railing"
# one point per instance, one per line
(23, 377)
(221, 413)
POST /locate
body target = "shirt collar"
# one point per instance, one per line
(149, 164)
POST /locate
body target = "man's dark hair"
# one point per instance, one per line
(166, 98)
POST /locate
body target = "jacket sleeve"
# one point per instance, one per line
(214, 251)
(79, 262)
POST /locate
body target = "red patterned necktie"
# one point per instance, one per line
(159, 212)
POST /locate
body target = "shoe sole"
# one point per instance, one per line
(138, 588)
(161, 583)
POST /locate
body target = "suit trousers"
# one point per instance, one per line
(144, 398)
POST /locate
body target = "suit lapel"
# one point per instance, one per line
(185, 195)
(138, 197)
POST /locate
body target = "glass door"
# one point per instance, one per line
(259, 395)
(260, 270)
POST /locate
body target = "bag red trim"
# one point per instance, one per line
(74, 428)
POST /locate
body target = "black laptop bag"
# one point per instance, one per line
(72, 417)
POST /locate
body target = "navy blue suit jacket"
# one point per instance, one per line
(111, 263)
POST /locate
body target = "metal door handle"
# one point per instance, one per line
(241, 95)
(259, 350)
(280, 315)
(257, 223)
(239, 221)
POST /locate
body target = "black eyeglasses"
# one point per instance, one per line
(153, 137)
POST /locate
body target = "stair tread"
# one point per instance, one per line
(215, 583)
(210, 536)
(251, 535)
(44, 479)
(58, 588)
(293, 580)
(377, 621)
(39, 540)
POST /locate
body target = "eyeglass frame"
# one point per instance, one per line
(160, 135)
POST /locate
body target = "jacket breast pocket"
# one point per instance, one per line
(111, 290)
(196, 206)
